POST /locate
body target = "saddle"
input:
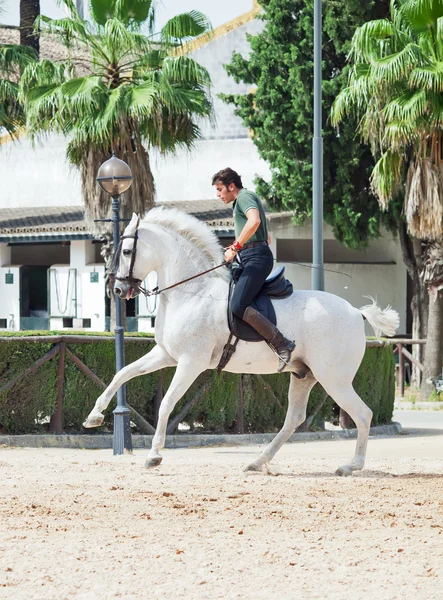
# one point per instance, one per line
(276, 286)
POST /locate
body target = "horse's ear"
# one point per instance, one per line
(133, 224)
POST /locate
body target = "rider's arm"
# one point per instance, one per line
(251, 226)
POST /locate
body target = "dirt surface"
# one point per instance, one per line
(87, 525)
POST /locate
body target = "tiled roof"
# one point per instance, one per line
(68, 222)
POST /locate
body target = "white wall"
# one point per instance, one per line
(10, 297)
(385, 282)
(187, 175)
(75, 293)
(38, 176)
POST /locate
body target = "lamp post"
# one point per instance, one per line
(317, 158)
(115, 177)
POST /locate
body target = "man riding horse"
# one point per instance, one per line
(251, 247)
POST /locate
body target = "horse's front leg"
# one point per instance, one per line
(157, 359)
(188, 369)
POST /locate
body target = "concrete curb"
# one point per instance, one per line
(407, 405)
(103, 441)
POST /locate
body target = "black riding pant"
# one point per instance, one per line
(255, 264)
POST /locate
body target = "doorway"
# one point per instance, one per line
(34, 297)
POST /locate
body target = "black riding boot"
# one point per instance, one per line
(271, 335)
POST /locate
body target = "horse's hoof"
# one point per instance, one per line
(95, 421)
(153, 462)
(254, 467)
(344, 471)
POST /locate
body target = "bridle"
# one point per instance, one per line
(133, 281)
(136, 283)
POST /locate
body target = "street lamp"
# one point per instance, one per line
(317, 158)
(115, 177)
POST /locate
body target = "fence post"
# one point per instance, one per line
(240, 426)
(56, 423)
(401, 370)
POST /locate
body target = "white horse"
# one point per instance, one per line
(191, 330)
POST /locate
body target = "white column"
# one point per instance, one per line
(82, 253)
(5, 254)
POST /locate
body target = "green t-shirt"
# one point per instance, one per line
(245, 201)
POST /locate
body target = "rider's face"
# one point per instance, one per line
(225, 193)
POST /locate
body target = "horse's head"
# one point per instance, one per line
(126, 267)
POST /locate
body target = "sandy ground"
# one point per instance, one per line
(87, 525)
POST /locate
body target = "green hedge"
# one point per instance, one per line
(27, 406)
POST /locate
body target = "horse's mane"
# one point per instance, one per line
(191, 229)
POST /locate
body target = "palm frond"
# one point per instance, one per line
(119, 39)
(371, 40)
(420, 15)
(407, 107)
(68, 29)
(386, 177)
(185, 70)
(143, 99)
(396, 67)
(430, 77)
(14, 58)
(398, 135)
(354, 98)
(184, 27)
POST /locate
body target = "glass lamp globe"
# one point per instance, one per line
(114, 176)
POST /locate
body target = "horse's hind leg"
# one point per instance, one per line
(297, 401)
(153, 361)
(348, 399)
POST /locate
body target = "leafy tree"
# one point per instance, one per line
(13, 59)
(119, 89)
(280, 113)
(396, 90)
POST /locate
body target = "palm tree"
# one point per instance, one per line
(120, 89)
(29, 11)
(396, 88)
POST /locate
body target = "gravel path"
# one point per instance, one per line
(85, 525)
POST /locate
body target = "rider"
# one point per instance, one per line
(256, 258)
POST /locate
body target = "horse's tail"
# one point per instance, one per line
(382, 321)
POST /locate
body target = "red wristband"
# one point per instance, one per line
(237, 245)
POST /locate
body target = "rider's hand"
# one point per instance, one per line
(229, 255)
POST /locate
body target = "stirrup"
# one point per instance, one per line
(274, 350)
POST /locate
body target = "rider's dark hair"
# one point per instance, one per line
(227, 176)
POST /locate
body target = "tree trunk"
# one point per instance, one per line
(29, 11)
(139, 198)
(433, 279)
(433, 353)
(412, 257)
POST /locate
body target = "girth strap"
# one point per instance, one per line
(228, 351)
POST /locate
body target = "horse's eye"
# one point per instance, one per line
(127, 252)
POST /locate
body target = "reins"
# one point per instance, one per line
(156, 291)
(136, 283)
